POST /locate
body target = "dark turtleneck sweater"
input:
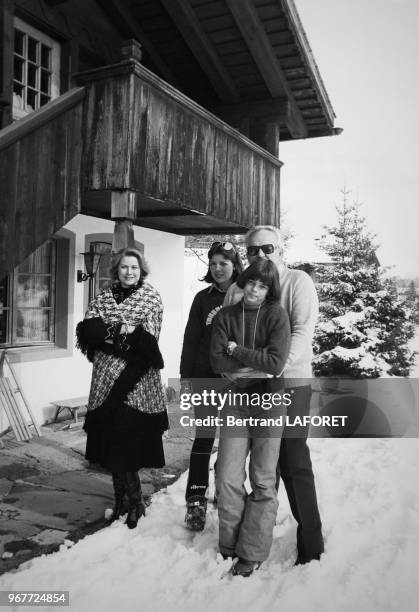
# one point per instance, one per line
(262, 342)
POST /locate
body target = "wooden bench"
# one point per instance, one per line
(73, 405)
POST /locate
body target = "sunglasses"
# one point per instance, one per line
(267, 249)
(225, 246)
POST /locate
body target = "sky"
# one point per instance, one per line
(367, 52)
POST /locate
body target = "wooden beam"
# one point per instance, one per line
(123, 204)
(272, 137)
(215, 229)
(291, 12)
(123, 235)
(179, 212)
(249, 24)
(124, 19)
(267, 135)
(123, 212)
(195, 37)
(274, 108)
(69, 64)
(33, 121)
(293, 122)
(6, 61)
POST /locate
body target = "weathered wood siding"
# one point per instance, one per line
(129, 130)
(39, 179)
(142, 134)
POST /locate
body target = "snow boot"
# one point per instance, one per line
(196, 511)
(136, 507)
(118, 481)
(245, 568)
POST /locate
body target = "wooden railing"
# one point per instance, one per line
(127, 130)
(33, 121)
(144, 135)
(40, 157)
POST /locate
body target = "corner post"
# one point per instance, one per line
(123, 212)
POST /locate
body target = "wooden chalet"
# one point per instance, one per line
(141, 120)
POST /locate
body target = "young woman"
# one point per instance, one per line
(254, 333)
(127, 405)
(224, 266)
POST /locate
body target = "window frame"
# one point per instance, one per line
(106, 238)
(94, 288)
(12, 307)
(17, 111)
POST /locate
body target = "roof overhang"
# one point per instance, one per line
(231, 55)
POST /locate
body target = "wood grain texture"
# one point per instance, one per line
(142, 135)
(40, 185)
(129, 130)
(6, 61)
(188, 24)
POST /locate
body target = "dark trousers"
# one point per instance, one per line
(199, 466)
(204, 438)
(294, 467)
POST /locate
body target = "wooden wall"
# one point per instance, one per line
(39, 178)
(144, 135)
(128, 130)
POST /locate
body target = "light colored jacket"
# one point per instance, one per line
(299, 298)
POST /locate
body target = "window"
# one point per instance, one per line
(101, 280)
(27, 300)
(36, 66)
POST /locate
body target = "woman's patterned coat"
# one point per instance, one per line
(143, 306)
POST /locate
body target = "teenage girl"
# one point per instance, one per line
(224, 266)
(254, 333)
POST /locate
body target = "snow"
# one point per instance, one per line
(348, 354)
(414, 345)
(367, 362)
(351, 318)
(369, 502)
(327, 327)
(346, 323)
(345, 354)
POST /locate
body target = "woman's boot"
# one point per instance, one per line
(136, 506)
(118, 481)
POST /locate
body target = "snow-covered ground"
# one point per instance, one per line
(414, 343)
(369, 501)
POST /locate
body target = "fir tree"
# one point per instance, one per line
(364, 326)
(412, 301)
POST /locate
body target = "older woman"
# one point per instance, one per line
(127, 406)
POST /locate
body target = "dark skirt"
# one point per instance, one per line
(123, 439)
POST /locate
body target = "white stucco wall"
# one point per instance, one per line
(66, 374)
(195, 268)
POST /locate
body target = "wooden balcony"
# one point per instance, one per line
(127, 132)
(190, 171)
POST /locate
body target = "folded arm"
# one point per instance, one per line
(272, 358)
(220, 361)
(94, 334)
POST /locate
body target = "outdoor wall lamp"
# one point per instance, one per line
(91, 262)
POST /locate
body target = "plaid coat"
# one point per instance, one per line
(143, 306)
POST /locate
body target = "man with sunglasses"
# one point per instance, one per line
(299, 298)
